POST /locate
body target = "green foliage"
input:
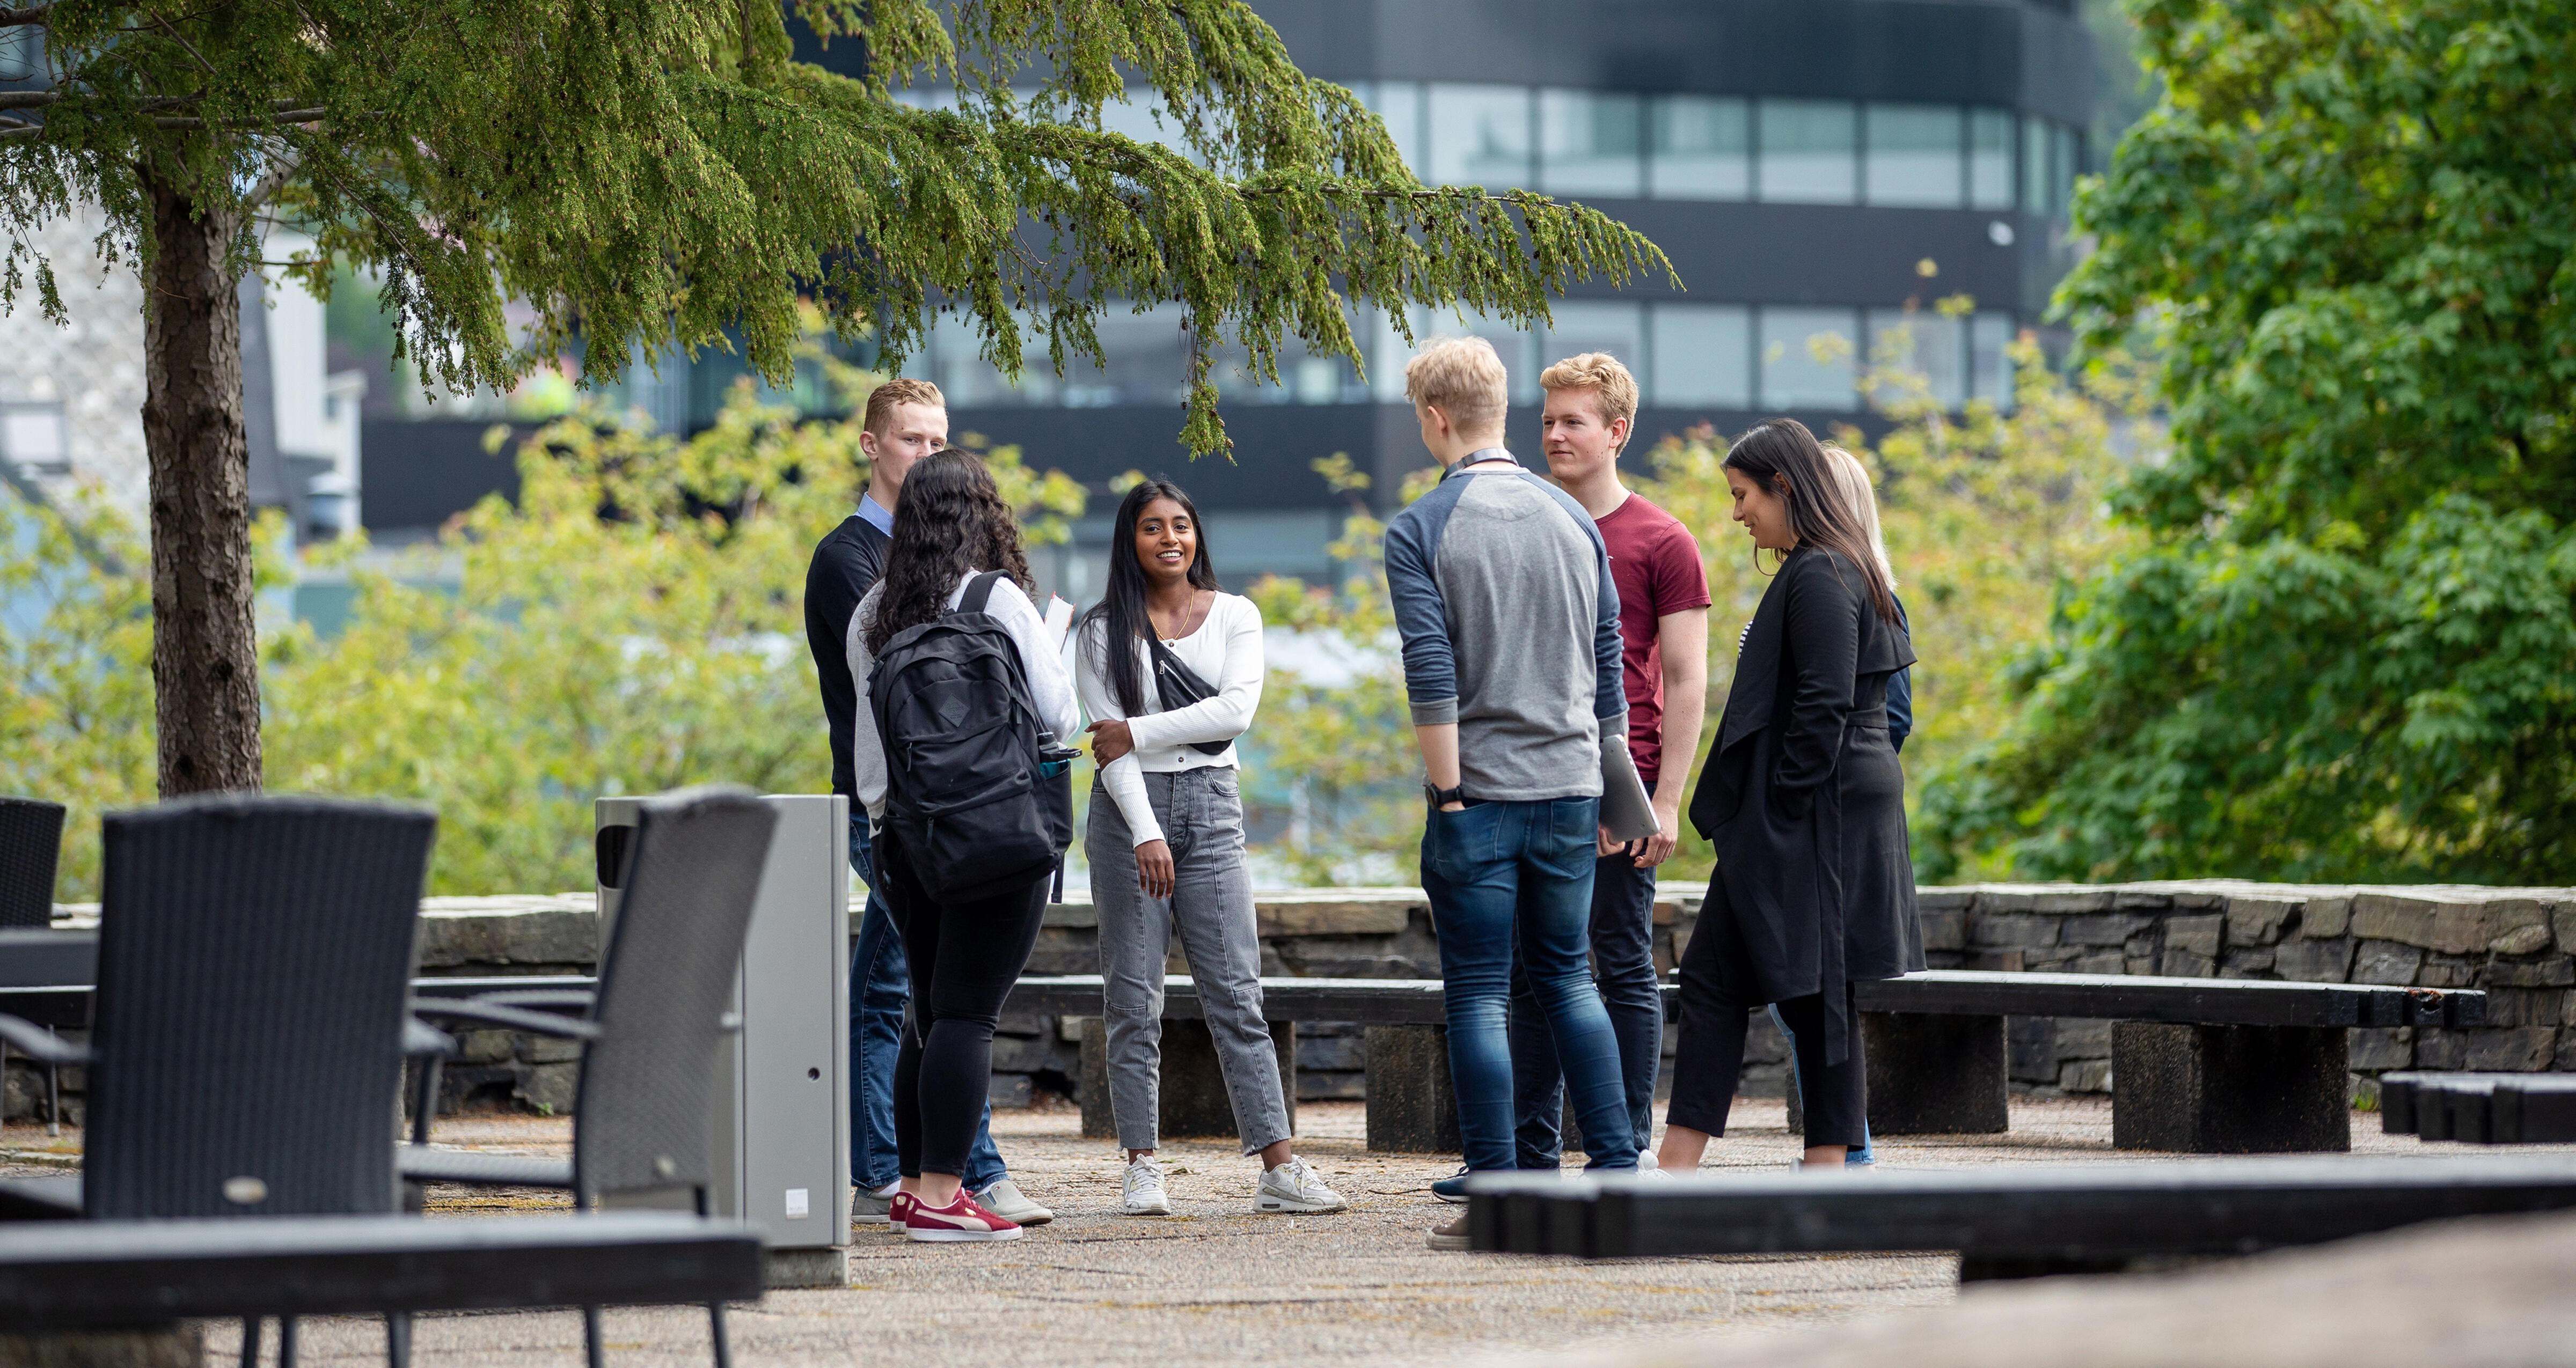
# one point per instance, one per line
(664, 171)
(1986, 516)
(76, 705)
(634, 624)
(2346, 651)
(1342, 748)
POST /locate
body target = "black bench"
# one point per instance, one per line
(2205, 1066)
(2019, 1221)
(87, 1275)
(2480, 1108)
(2208, 1066)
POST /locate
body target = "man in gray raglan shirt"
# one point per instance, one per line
(1510, 624)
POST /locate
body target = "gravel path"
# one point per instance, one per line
(1217, 1285)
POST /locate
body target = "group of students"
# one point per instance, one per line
(1544, 622)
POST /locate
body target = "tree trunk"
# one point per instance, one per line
(205, 661)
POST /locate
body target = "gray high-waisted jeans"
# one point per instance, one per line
(1202, 816)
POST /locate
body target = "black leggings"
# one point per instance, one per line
(964, 956)
(1709, 1057)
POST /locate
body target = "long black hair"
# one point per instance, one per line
(1120, 615)
(1786, 460)
(949, 520)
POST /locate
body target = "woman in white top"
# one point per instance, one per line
(950, 525)
(1165, 836)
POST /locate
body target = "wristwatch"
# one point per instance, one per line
(1443, 797)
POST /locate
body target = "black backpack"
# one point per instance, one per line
(979, 793)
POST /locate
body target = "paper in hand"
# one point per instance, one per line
(1627, 811)
(1059, 619)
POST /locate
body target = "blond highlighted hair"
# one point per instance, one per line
(900, 390)
(1462, 377)
(1854, 479)
(1614, 390)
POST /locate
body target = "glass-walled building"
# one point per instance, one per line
(1822, 174)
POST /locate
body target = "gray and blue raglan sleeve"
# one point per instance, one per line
(1421, 616)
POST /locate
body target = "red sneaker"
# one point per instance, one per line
(901, 1213)
(960, 1220)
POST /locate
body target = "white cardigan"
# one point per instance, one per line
(1041, 663)
(1226, 652)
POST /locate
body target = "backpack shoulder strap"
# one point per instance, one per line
(979, 592)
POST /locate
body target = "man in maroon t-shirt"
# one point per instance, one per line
(1663, 630)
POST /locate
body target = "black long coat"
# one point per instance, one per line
(1804, 801)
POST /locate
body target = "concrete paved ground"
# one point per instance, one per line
(1217, 1285)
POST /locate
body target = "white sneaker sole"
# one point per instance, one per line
(1148, 1209)
(946, 1235)
(1436, 1240)
(1034, 1218)
(1296, 1206)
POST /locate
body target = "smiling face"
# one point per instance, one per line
(1167, 543)
(1764, 512)
(1578, 440)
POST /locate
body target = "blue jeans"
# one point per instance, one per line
(1623, 965)
(1858, 1158)
(880, 986)
(1508, 876)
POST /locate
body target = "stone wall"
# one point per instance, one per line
(2517, 944)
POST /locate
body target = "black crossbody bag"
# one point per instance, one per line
(1179, 686)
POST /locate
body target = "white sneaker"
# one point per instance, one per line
(1647, 1162)
(874, 1208)
(1294, 1187)
(1004, 1199)
(1144, 1188)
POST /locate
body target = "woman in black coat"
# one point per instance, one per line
(1814, 888)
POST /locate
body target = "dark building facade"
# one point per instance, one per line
(1821, 174)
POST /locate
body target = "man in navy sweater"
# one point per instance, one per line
(905, 420)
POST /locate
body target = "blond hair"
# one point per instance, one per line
(1854, 479)
(900, 390)
(1463, 378)
(1614, 390)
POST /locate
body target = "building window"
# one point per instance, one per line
(1990, 370)
(32, 439)
(1517, 347)
(1399, 105)
(1990, 159)
(1915, 157)
(1923, 345)
(2034, 168)
(2064, 148)
(1598, 325)
(1480, 135)
(1810, 152)
(1702, 149)
(1591, 143)
(1807, 360)
(1702, 356)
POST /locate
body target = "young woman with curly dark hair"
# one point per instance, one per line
(950, 525)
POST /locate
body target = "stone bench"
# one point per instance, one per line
(2480, 1108)
(1403, 1019)
(2011, 1222)
(2206, 1066)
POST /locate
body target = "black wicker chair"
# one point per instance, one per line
(31, 843)
(254, 958)
(653, 1029)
